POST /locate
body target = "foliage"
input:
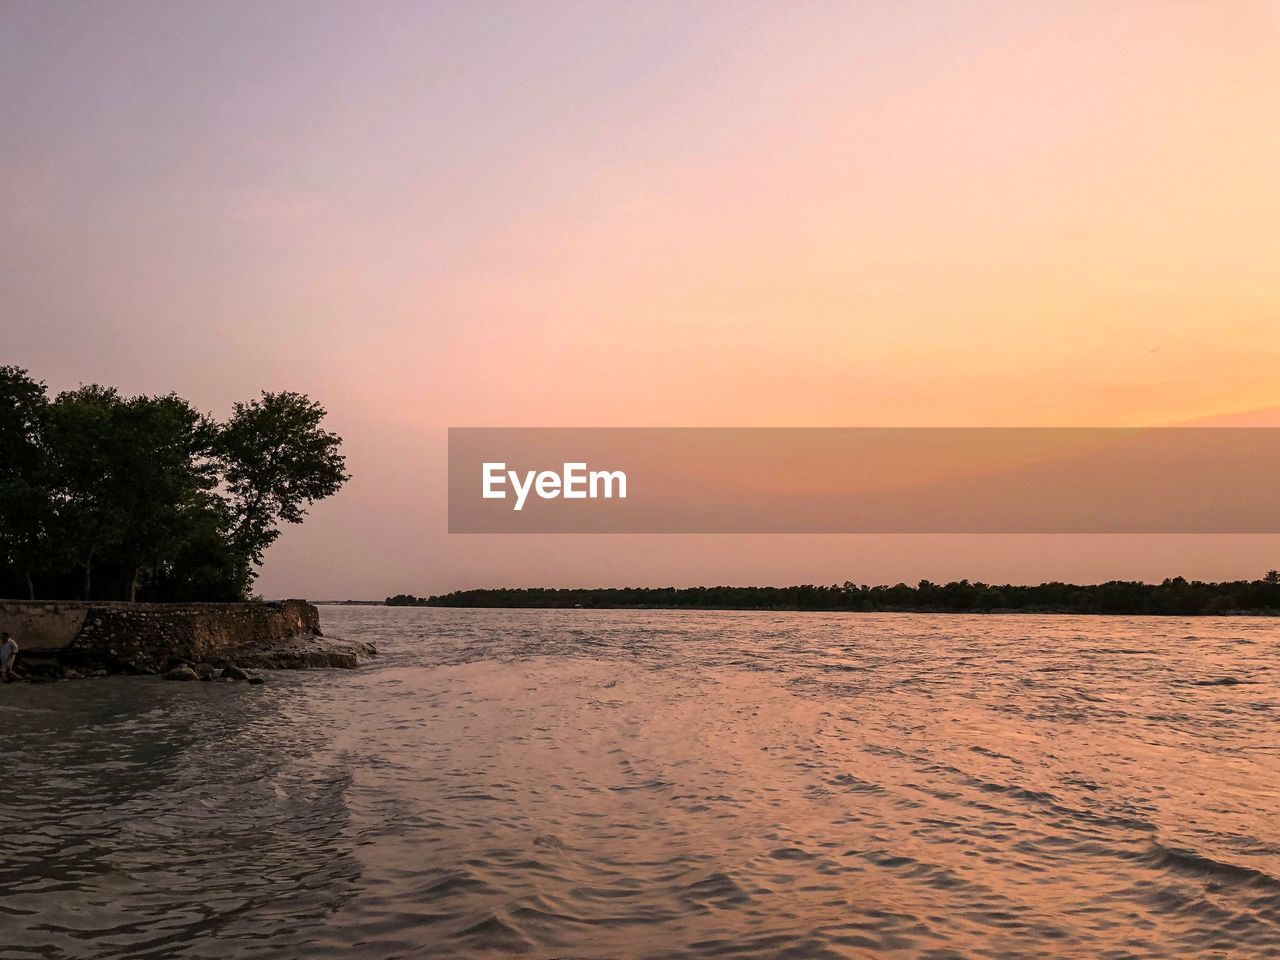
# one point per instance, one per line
(1175, 596)
(106, 496)
(24, 502)
(276, 459)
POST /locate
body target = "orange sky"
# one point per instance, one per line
(651, 214)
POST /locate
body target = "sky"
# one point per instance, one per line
(428, 215)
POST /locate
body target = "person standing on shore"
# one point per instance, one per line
(8, 654)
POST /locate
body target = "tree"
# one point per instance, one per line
(107, 495)
(86, 475)
(204, 565)
(126, 477)
(165, 450)
(25, 508)
(277, 460)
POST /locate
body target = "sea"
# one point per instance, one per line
(580, 784)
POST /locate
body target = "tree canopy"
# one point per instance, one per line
(1174, 596)
(104, 496)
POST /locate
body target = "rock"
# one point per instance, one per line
(255, 679)
(232, 672)
(303, 652)
(205, 671)
(99, 673)
(181, 673)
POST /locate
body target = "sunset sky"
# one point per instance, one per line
(649, 214)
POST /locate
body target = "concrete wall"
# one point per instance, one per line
(148, 637)
(42, 626)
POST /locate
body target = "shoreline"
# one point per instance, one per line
(1173, 596)
(1060, 612)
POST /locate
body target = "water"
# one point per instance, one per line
(581, 784)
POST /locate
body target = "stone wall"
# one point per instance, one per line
(149, 637)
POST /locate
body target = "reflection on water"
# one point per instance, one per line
(654, 784)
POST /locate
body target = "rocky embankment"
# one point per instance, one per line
(183, 641)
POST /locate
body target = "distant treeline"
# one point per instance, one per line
(1175, 596)
(106, 496)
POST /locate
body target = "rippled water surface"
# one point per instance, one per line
(583, 784)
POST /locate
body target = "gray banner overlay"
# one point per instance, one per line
(864, 480)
